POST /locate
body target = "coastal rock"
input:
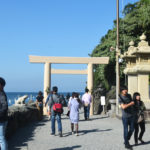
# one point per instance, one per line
(20, 116)
(21, 100)
(30, 102)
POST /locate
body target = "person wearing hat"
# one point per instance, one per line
(128, 115)
(3, 114)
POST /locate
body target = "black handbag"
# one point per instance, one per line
(68, 113)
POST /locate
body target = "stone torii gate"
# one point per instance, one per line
(68, 60)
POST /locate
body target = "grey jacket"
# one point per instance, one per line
(54, 98)
(3, 107)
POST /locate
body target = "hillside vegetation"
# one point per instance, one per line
(136, 21)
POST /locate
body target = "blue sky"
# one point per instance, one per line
(69, 28)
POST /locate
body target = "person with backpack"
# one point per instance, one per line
(128, 115)
(3, 115)
(55, 110)
(139, 118)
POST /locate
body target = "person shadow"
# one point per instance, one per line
(67, 148)
(145, 143)
(83, 132)
(24, 134)
(97, 118)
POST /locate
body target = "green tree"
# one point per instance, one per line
(136, 21)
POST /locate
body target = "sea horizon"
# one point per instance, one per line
(42, 91)
(13, 96)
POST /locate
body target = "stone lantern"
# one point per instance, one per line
(130, 59)
(142, 68)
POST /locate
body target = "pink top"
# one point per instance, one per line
(86, 98)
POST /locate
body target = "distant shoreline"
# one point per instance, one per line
(12, 96)
(39, 90)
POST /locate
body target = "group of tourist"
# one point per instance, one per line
(132, 116)
(53, 99)
(132, 112)
(74, 104)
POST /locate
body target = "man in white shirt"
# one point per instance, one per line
(86, 99)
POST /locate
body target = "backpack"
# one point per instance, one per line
(57, 107)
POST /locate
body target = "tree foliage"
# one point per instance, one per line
(136, 21)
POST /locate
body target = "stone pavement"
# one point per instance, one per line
(100, 132)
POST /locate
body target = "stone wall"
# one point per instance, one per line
(19, 116)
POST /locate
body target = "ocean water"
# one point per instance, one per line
(12, 96)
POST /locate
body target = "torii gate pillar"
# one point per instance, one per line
(47, 78)
(90, 84)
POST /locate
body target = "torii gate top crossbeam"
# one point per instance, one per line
(69, 60)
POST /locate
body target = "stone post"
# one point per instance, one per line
(112, 112)
(90, 84)
(143, 86)
(47, 79)
(132, 83)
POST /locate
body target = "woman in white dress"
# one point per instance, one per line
(74, 106)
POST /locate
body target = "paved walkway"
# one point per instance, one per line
(99, 133)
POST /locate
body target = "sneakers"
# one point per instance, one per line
(128, 146)
(141, 141)
(52, 133)
(60, 134)
(77, 134)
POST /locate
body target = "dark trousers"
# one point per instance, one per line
(86, 111)
(142, 127)
(128, 125)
